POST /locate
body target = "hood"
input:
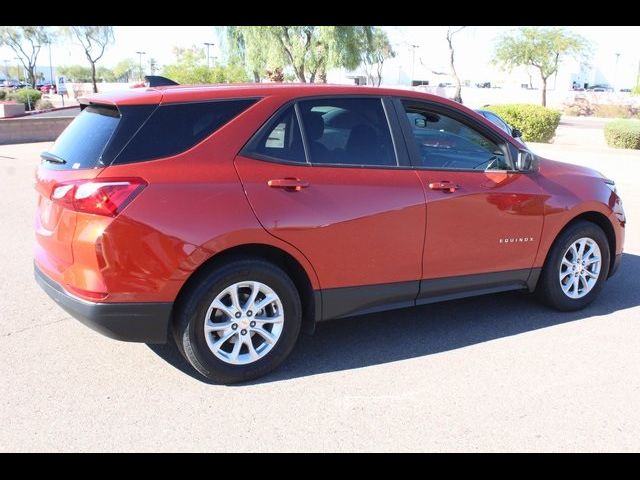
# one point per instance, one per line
(553, 168)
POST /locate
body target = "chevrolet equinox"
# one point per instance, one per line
(231, 218)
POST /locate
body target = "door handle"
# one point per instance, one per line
(445, 185)
(289, 184)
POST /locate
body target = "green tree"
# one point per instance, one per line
(246, 49)
(25, 43)
(234, 73)
(376, 50)
(308, 50)
(125, 69)
(75, 73)
(94, 40)
(13, 71)
(451, 31)
(191, 68)
(105, 74)
(541, 48)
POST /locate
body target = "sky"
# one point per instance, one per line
(474, 47)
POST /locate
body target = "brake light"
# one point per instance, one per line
(106, 197)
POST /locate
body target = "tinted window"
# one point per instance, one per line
(443, 142)
(497, 121)
(83, 142)
(174, 128)
(281, 139)
(347, 131)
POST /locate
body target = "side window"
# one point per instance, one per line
(443, 142)
(498, 122)
(281, 140)
(175, 127)
(347, 131)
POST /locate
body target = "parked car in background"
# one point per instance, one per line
(599, 88)
(48, 88)
(9, 83)
(502, 125)
(228, 219)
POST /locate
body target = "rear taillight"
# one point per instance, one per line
(106, 197)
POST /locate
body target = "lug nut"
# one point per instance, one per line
(253, 324)
(234, 326)
(238, 314)
(243, 331)
(249, 313)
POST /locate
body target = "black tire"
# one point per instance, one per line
(189, 322)
(549, 290)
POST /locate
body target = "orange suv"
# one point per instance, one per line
(231, 218)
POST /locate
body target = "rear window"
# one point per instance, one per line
(174, 128)
(103, 135)
(83, 142)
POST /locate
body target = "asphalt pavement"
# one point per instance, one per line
(493, 373)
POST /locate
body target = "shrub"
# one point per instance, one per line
(537, 123)
(577, 110)
(24, 95)
(3, 94)
(623, 134)
(43, 104)
(581, 107)
(613, 111)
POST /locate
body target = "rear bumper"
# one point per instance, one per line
(129, 322)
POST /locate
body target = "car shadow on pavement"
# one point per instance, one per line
(414, 332)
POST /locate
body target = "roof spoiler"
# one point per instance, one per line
(158, 81)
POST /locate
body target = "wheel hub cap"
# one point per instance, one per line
(580, 268)
(244, 322)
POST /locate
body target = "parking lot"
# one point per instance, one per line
(491, 373)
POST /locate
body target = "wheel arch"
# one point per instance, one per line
(310, 298)
(598, 219)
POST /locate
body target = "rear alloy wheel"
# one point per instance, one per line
(244, 322)
(240, 322)
(576, 267)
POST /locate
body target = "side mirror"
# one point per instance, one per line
(515, 133)
(525, 161)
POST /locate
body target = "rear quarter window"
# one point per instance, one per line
(174, 128)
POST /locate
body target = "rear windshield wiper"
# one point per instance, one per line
(50, 157)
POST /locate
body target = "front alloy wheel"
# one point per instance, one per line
(580, 268)
(576, 267)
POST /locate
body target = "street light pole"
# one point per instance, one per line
(208, 45)
(413, 61)
(615, 73)
(50, 64)
(140, 63)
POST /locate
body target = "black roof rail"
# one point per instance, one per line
(158, 81)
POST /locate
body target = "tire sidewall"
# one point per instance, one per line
(192, 336)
